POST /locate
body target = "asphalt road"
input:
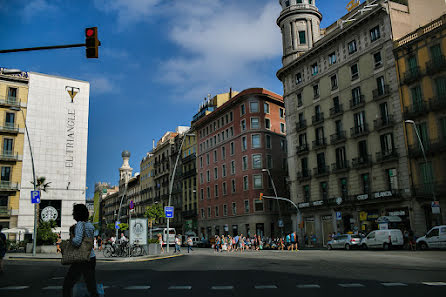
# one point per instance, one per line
(263, 273)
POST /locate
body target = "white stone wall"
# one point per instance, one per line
(58, 130)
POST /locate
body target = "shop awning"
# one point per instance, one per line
(388, 219)
(15, 231)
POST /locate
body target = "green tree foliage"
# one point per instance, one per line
(154, 212)
(45, 234)
(41, 184)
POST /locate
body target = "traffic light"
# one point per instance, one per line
(91, 42)
(261, 197)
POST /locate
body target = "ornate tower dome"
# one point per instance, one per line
(125, 172)
(299, 22)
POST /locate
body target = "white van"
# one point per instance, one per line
(434, 239)
(153, 233)
(383, 239)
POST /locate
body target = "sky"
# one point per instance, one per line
(157, 62)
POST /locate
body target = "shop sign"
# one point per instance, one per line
(397, 213)
(326, 218)
(362, 197)
(383, 194)
(318, 203)
(372, 216)
(435, 207)
(363, 216)
(305, 204)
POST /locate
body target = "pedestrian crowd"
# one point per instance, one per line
(255, 243)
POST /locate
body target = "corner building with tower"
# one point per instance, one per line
(346, 143)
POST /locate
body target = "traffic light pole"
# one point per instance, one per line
(39, 48)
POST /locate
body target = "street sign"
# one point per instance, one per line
(168, 211)
(435, 207)
(338, 216)
(280, 223)
(117, 224)
(131, 205)
(35, 197)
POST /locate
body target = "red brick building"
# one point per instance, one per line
(234, 143)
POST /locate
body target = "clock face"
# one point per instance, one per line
(49, 213)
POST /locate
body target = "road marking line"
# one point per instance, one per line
(308, 286)
(351, 285)
(14, 288)
(58, 277)
(180, 287)
(106, 287)
(52, 288)
(222, 287)
(434, 283)
(394, 284)
(261, 287)
(137, 288)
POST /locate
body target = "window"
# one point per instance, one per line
(268, 141)
(362, 150)
(283, 145)
(299, 100)
(443, 128)
(257, 161)
(314, 69)
(202, 213)
(282, 128)
(223, 170)
(378, 60)
(257, 181)
(417, 99)
(316, 91)
(231, 146)
(231, 116)
(298, 78)
(344, 187)
(392, 180)
(201, 178)
(302, 37)
(207, 159)
(281, 113)
(233, 185)
(352, 48)
(386, 144)
(208, 193)
(233, 167)
(6, 174)
(254, 106)
(242, 109)
(320, 162)
(223, 153)
(265, 107)
(375, 34)
(225, 210)
(255, 141)
(244, 144)
(244, 163)
(245, 183)
(10, 120)
(234, 208)
(356, 95)
(354, 71)
(216, 211)
(246, 206)
(334, 82)
(440, 87)
(381, 85)
(225, 190)
(332, 58)
(269, 161)
(202, 194)
(267, 124)
(287, 3)
(324, 190)
(306, 190)
(215, 173)
(208, 174)
(215, 156)
(209, 212)
(365, 183)
(216, 191)
(255, 124)
(258, 205)
(12, 94)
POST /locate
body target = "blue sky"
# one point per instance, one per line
(157, 62)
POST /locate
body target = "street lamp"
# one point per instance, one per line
(34, 178)
(172, 180)
(275, 192)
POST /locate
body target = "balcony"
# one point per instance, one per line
(438, 103)
(321, 171)
(319, 143)
(336, 111)
(417, 110)
(381, 93)
(318, 118)
(338, 137)
(359, 131)
(9, 101)
(432, 147)
(189, 173)
(303, 175)
(340, 167)
(384, 123)
(425, 190)
(4, 211)
(301, 125)
(302, 149)
(388, 156)
(357, 102)
(10, 156)
(189, 158)
(362, 162)
(8, 186)
(412, 75)
(9, 128)
(436, 65)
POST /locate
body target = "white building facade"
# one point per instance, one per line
(57, 121)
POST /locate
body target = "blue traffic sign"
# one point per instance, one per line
(117, 224)
(168, 211)
(35, 197)
(338, 216)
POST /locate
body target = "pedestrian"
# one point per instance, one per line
(296, 240)
(59, 240)
(313, 240)
(82, 229)
(100, 242)
(189, 244)
(293, 240)
(160, 242)
(95, 243)
(288, 241)
(2, 248)
(177, 244)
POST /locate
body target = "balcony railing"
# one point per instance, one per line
(189, 173)
(189, 158)
(391, 155)
(357, 102)
(4, 211)
(338, 137)
(361, 162)
(427, 189)
(9, 128)
(433, 146)
(319, 143)
(9, 101)
(318, 118)
(303, 175)
(438, 103)
(381, 93)
(435, 65)
(416, 110)
(412, 75)
(321, 171)
(339, 167)
(301, 125)
(8, 186)
(302, 149)
(10, 156)
(358, 131)
(336, 111)
(383, 123)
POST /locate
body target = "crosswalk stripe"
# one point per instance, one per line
(14, 288)
(309, 286)
(435, 283)
(351, 285)
(394, 284)
(52, 288)
(137, 288)
(222, 287)
(180, 287)
(260, 287)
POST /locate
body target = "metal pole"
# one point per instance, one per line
(120, 204)
(41, 48)
(275, 193)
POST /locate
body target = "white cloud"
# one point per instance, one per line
(101, 85)
(114, 53)
(128, 11)
(38, 7)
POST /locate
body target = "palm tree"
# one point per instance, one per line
(41, 184)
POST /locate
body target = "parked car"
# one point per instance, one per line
(384, 239)
(344, 241)
(434, 239)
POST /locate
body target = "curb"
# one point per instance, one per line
(125, 260)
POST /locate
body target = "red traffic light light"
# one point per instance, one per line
(91, 42)
(261, 197)
(89, 32)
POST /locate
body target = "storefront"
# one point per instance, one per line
(310, 230)
(327, 228)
